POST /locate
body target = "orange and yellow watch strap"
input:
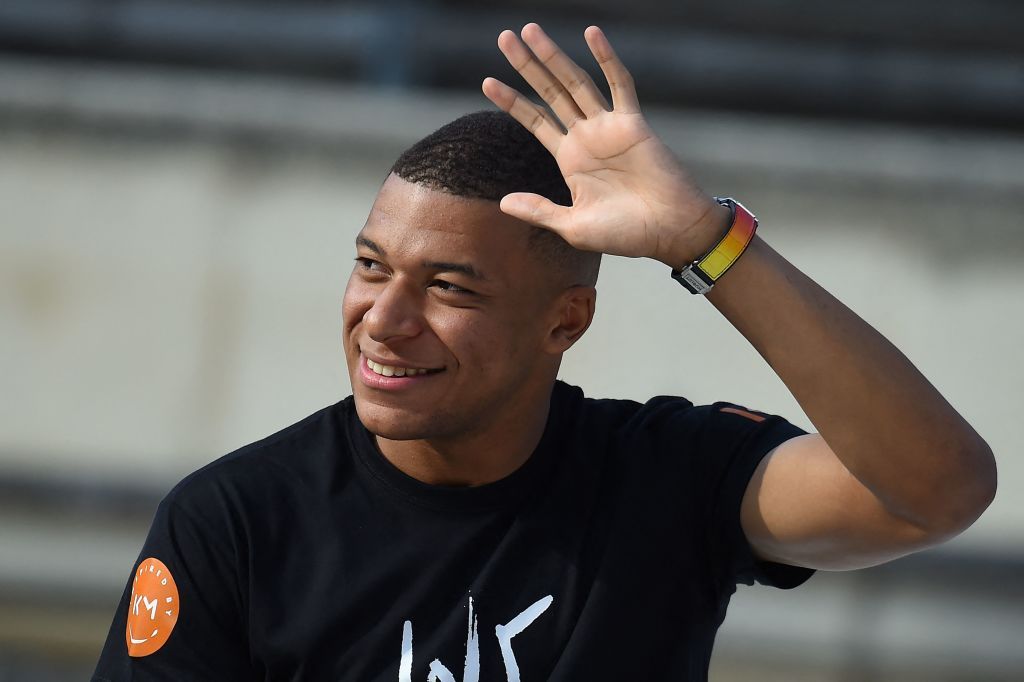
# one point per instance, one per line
(699, 276)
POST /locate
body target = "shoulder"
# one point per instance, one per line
(619, 413)
(623, 416)
(676, 424)
(293, 457)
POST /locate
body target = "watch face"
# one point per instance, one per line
(153, 609)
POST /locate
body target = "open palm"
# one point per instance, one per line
(630, 195)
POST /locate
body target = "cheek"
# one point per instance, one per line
(493, 344)
(356, 301)
(466, 333)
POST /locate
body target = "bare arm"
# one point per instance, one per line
(895, 468)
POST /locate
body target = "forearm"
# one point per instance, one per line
(886, 423)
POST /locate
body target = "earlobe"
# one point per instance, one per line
(575, 313)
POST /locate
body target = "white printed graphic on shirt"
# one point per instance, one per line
(471, 669)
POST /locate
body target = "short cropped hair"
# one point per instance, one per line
(486, 155)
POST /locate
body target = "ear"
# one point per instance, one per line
(573, 312)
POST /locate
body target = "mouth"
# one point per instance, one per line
(395, 371)
(379, 375)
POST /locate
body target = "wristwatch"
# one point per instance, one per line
(700, 276)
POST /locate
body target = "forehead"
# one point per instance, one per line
(410, 220)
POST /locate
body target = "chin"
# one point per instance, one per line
(396, 424)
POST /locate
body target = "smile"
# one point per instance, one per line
(396, 371)
(390, 371)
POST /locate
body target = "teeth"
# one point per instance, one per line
(390, 371)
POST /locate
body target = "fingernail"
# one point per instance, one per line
(510, 204)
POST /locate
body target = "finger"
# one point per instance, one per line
(539, 78)
(536, 210)
(620, 81)
(534, 118)
(575, 80)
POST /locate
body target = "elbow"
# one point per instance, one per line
(982, 489)
(968, 493)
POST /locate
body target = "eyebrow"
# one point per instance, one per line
(370, 244)
(448, 266)
(463, 268)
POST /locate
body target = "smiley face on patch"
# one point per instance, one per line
(153, 608)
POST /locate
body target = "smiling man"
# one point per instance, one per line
(464, 515)
(456, 314)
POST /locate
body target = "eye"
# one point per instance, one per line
(368, 264)
(449, 287)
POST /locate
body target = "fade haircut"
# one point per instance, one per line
(486, 155)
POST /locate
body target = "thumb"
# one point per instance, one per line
(536, 210)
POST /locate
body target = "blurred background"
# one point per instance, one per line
(181, 183)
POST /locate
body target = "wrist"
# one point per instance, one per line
(700, 237)
(703, 272)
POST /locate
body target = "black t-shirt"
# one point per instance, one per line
(610, 554)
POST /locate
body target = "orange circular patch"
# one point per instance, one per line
(153, 609)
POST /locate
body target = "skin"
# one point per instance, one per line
(893, 468)
(493, 341)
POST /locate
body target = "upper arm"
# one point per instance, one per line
(206, 640)
(803, 507)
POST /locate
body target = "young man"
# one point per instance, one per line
(463, 515)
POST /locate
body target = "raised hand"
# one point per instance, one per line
(630, 194)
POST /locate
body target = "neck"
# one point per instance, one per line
(476, 458)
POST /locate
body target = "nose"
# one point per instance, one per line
(396, 313)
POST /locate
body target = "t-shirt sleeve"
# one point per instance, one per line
(709, 454)
(730, 443)
(181, 616)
